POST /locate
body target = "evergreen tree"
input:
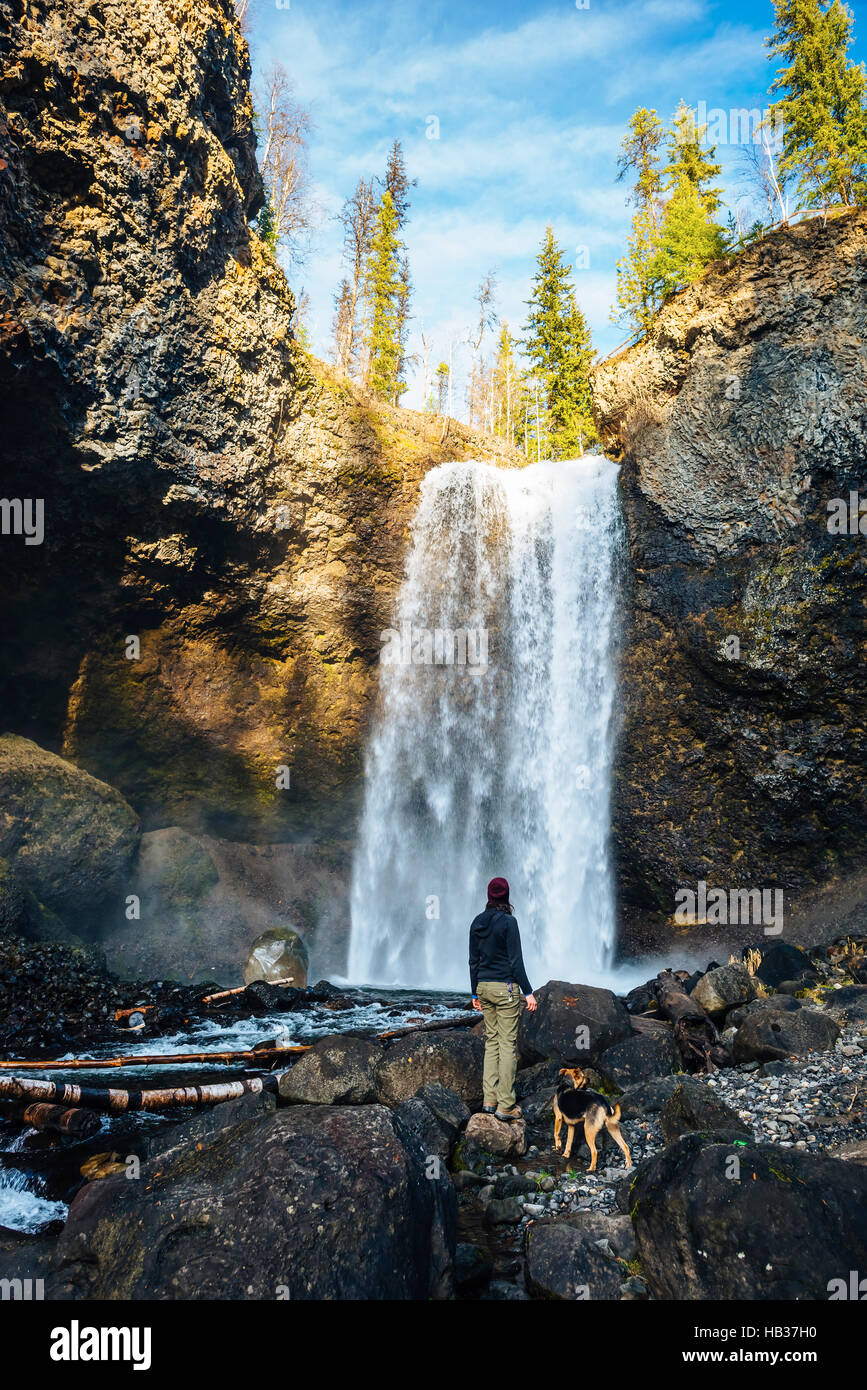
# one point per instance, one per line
(687, 240)
(384, 293)
(688, 160)
(509, 389)
(637, 294)
(821, 102)
(397, 184)
(559, 352)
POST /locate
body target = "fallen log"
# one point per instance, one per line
(118, 1102)
(159, 1060)
(80, 1123)
(239, 989)
(695, 1033)
(467, 1022)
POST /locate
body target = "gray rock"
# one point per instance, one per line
(693, 1106)
(452, 1059)
(339, 1070)
(724, 988)
(638, 1059)
(573, 1024)
(769, 1035)
(560, 1262)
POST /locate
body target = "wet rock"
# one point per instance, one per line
(723, 989)
(278, 954)
(573, 1024)
(562, 1263)
(643, 1057)
(451, 1058)
(784, 1229)
(514, 1185)
(338, 1070)
(693, 1106)
(770, 1035)
(775, 1003)
(309, 1202)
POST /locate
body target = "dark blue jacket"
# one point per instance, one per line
(495, 950)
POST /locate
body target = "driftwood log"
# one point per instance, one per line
(257, 1056)
(58, 1118)
(695, 1033)
(118, 1102)
(467, 1022)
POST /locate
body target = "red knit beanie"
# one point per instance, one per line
(498, 888)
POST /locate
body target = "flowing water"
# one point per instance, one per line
(493, 742)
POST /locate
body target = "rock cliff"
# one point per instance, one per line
(739, 418)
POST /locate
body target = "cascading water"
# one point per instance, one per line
(492, 749)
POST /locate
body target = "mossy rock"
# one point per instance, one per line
(278, 954)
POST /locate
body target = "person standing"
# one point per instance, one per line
(499, 983)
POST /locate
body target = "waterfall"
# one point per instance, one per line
(491, 751)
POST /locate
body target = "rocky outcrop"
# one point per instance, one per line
(224, 521)
(312, 1202)
(737, 420)
(67, 840)
(726, 1221)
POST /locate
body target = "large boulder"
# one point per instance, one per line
(769, 1035)
(278, 954)
(782, 962)
(310, 1202)
(724, 988)
(572, 1024)
(418, 1125)
(599, 1228)
(715, 1220)
(68, 837)
(648, 1097)
(694, 1106)
(446, 1105)
(453, 1058)
(338, 1070)
(640, 1058)
(562, 1262)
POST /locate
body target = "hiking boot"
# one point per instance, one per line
(488, 1109)
(512, 1114)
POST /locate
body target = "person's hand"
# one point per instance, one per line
(531, 1003)
(477, 1005)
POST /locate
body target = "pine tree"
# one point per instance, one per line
(688, 160)
(441, 376)
(397, 184)
(687, 240)
(637, 294)
(384, 292)
(821, 102)
(509, 389)
(559, 351)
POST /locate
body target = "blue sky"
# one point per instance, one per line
(532, 101)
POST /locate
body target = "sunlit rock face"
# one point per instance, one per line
(738, 421)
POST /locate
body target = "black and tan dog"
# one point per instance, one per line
(574, 1104)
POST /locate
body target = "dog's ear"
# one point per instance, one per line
(562, 1072)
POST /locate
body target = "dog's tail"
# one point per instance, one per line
(614, 1114)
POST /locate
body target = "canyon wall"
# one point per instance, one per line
(225, 520)
(737, 420)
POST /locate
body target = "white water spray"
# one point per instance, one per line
(492, 748)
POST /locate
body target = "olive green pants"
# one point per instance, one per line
(501, 1012)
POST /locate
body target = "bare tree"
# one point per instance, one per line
(485, 297)
(243, 9)
(290, 214)
(358, 218)
(761, 177)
